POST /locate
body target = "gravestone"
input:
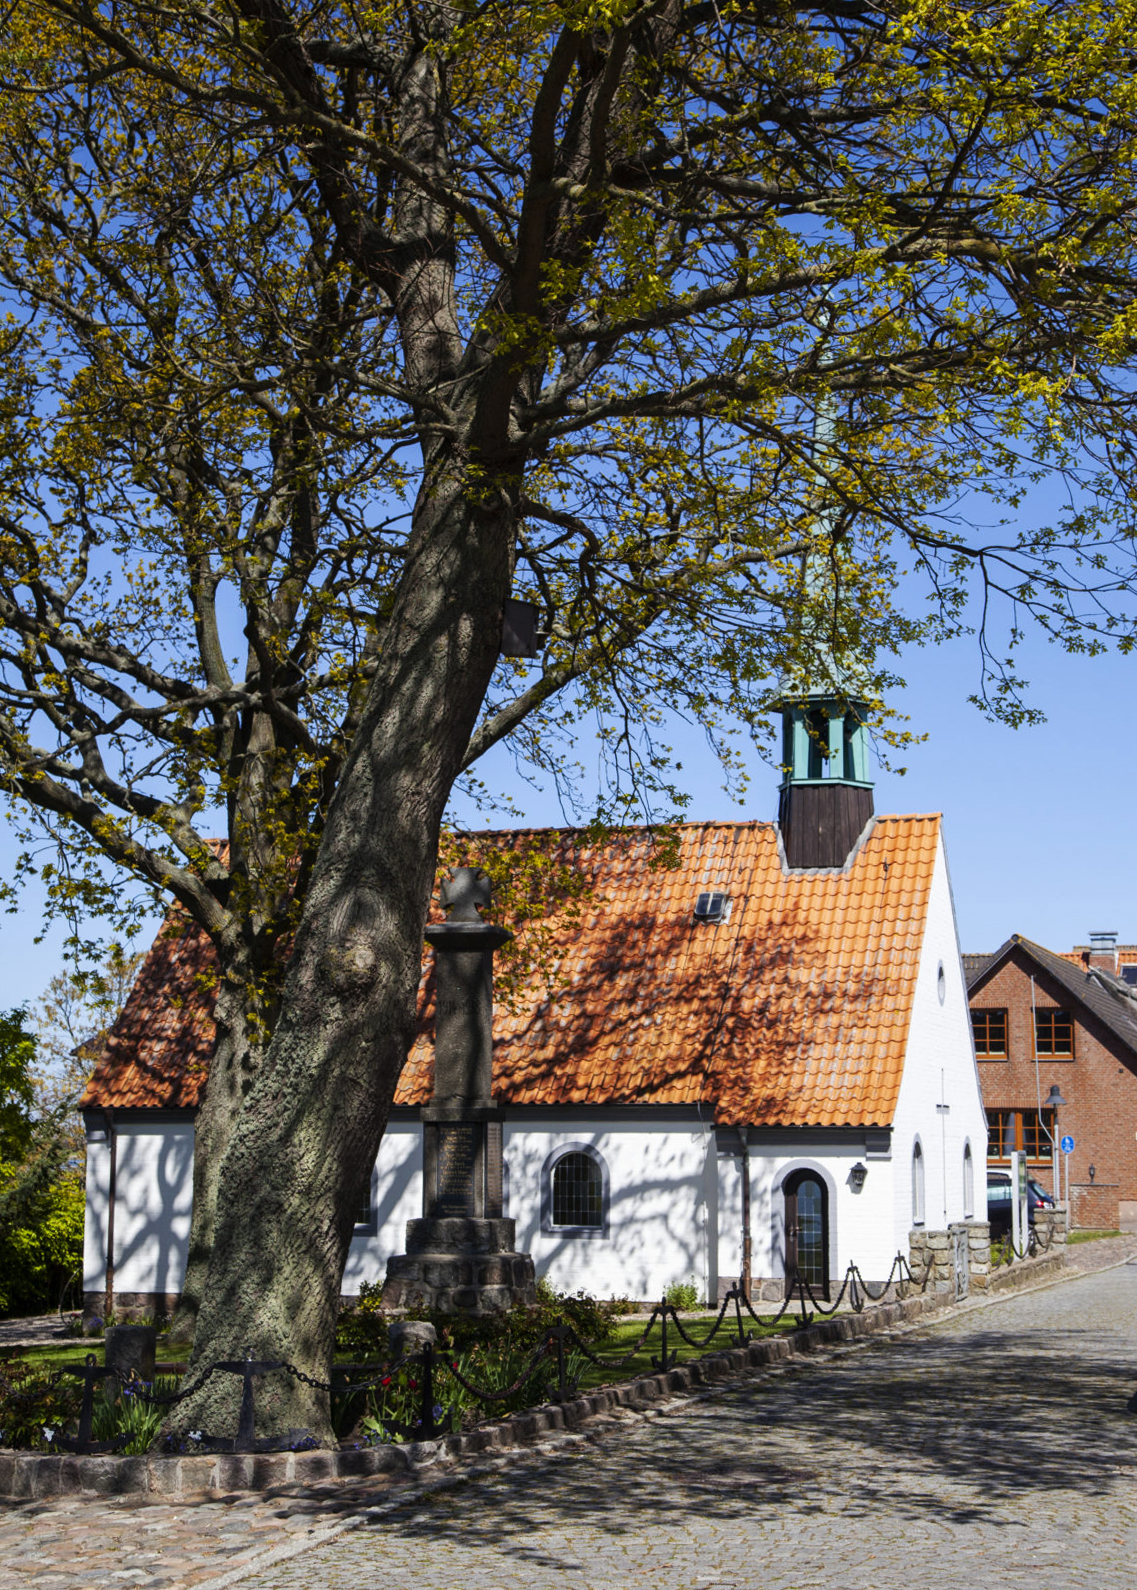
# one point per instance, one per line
(461, 1255)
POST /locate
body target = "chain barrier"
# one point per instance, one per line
(618, 1363)
(540, 1356)
(1034, 1245)
(433, 1418)
(693, 1341)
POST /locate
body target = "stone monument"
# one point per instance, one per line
(461, 1255)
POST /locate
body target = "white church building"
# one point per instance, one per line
(784, 1007)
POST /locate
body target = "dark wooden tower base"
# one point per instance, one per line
(821, 823)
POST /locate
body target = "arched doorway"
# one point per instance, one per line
(807, 1231)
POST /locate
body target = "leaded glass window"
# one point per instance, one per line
(578, 1191)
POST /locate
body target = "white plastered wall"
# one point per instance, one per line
(860, 1223)
(153, 1201)
(396, 1197)
(662, 1197)
(660, 1215)
(940, 1067)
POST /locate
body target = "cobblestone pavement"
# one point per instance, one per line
(987, 1449)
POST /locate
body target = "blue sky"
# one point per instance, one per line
(1041, 835)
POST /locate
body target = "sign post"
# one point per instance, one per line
(1067, 1147)
(1020, 1226)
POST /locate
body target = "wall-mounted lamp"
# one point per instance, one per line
(1093, 1173)
(857, 1176)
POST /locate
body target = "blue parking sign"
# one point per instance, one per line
(1067, 1145)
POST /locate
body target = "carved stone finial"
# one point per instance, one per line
(463, 890)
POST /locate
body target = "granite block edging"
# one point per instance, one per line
(30, 1476)
(1024, 1272)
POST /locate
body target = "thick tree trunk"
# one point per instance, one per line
(306, 1139)
(234, 1063)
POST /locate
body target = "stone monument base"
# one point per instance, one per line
(460, 1266)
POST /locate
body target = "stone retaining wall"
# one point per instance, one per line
(937, 1249)
(1027, 1272)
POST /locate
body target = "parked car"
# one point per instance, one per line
(999, 1201)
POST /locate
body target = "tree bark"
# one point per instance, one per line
(306, 1140)
(233, 1064)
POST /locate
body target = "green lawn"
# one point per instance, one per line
(52, 1354)
(628, 1332)
(1090, 1236)
(625, 1334)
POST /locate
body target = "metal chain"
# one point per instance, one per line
(155, 1401)
(617, 1363)
(541, 1355)
(854, 1282)
(715, 1328)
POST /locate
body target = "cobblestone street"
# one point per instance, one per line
(990, 1449)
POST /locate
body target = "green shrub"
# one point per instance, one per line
(362, 1328)
(41, 1250)
(493, 1367)
(1001, 1252)
(41, 1189)
(33, 1401)
(683, 1295)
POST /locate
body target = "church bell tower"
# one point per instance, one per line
(825, 798)
(826, 794)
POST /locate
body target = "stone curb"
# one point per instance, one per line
(26, 1476)
(35, 1475)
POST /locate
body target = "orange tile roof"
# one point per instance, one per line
(793, 1012)
(157, 1053)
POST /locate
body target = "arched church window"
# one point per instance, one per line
(577, 1191)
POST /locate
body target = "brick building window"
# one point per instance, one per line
(1053, 1035)
(990, 1029)
(1001, 1134)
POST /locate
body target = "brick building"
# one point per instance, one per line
(1042, 1020)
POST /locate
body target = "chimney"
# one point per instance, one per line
(1103, 952)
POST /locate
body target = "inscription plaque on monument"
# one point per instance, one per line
(458, 1144)
(493, 1168)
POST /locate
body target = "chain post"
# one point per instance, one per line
(82, 1443)
(562, 1368)
(738, 1314)
(666, 1360)
(87, 1410)
(246, 1422)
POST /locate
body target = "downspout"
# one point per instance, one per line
(744, 1280)
(1055, 1163)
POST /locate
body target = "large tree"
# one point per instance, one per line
(606, 262)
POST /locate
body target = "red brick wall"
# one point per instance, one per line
(1099, 1084)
